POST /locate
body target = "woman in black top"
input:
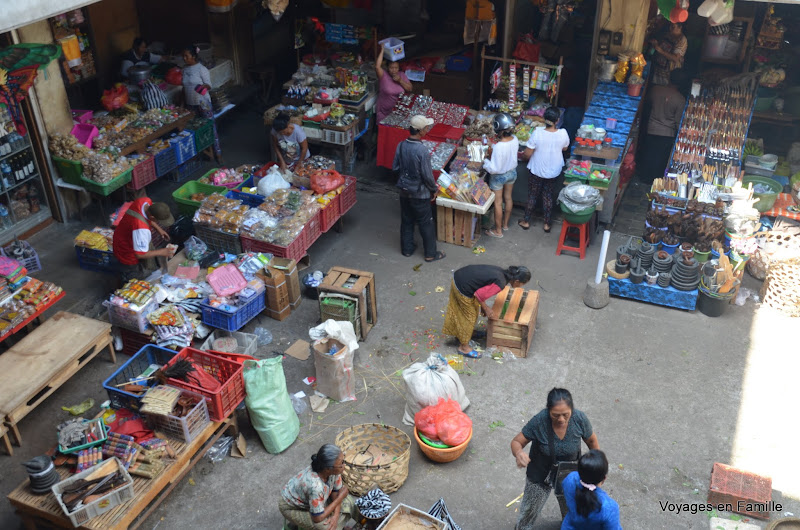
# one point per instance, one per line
(566, 427)
(471, 287)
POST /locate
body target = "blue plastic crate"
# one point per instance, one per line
(97, 260)
(217, 318)
(184, 146)
(137, 364)
(253, 201)
(166, 160)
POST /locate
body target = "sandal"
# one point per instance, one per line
(439, 255)
(547, 228)
(472, 355)
(410, 253)
(522, 226)
(492, 234)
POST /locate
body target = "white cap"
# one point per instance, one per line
(419, 122)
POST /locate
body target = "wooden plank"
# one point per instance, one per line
(352, 271)
(440, 230)
(140, 146)
(373, 302)
(506, 342)
(500, 301)
(513, 306)
(458, 227)
(531, 304)
(341, 280)
(330, 278)
(510, 333)
(41, 356)
(448, 226)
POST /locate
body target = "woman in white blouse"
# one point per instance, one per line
(197, 90)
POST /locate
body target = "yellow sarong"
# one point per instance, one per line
(462, 313)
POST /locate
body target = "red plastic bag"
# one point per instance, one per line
(325, 180)
(527, 49)
(454, 429)
(174, 76)
(115, 98)
(425, 421)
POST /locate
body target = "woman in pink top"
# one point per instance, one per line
(391, 83)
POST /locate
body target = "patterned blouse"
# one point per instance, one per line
(307, 491)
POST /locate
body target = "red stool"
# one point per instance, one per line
(582, 236)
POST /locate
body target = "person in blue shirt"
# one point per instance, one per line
(588, 506)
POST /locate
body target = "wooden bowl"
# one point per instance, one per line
(442, 455)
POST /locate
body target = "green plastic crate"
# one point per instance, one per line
(70, 170)
(109, 187)
(186, 206)
(203, 135)
(340, 309)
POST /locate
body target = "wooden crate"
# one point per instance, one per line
(363, 289)
(456, 226)
(514, 329)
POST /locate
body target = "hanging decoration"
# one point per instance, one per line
(497, 77)
(19, 65)
(718, 11)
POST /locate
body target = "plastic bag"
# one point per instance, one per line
(325, 180)
(115, 98)
(263, 335)
(452, 427)
(271, 182)
(333, 329)
(221, 448)
(299, 404)
(195, 248)
(425, 421)
(174, 76)
(269, 405)
(334, 373)
(578, 197)
(427, 382)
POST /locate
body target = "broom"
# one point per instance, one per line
(187, 370)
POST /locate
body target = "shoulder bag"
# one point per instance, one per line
(558, 470)
(405, 182)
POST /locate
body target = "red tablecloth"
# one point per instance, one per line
(388, 140)
(779, 208)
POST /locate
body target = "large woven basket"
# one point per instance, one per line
(781, 288)
(368, 437)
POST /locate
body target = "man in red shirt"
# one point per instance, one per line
(132, 235)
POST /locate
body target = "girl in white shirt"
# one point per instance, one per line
(544, 149)
(502, 168)
(197, 91)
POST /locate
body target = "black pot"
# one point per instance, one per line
(637, 275)
(620, 267)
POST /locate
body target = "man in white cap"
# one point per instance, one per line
(412, 165)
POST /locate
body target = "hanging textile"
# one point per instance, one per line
(480, 22)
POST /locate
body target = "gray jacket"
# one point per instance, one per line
(413, 156)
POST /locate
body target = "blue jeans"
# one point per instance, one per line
(496, 182)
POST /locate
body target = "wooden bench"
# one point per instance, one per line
(512, 328)
(40, 363)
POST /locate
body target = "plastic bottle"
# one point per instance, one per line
(333, 350)
(5, 219)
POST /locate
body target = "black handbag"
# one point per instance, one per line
(559, 470)
(405, 182)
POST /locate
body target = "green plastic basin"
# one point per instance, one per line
(577, 218)
(766, 200)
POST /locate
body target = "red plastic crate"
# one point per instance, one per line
(296, 249)
(329, 215)
(132, 342)
(143, 173)
(734, 486)
(222, 402)
(311, 231)
(348, 195)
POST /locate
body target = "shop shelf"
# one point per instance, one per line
(70, 170)
(181, 196)
(218, 240)
(143, 173)
(97, 260)
(229, 373)
(136, 365)
(166, 160)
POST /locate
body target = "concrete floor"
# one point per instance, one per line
(668, 392)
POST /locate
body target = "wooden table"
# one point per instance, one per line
(148, 493)
(140, 146)
(607, 153)
(40, 363)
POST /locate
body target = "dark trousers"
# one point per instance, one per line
(654, 158)
(544, 187)
(417, 212)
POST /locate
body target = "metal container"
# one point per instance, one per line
(139, 72)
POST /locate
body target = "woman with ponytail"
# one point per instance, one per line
(197, 91)
(470, 289)
(589, 507)
(315, 498)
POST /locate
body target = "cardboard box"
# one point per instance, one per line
(279, 315)
(289, 268)
(277, 293)
(334, 372)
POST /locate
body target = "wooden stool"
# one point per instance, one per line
(583, 238)
(6, 441)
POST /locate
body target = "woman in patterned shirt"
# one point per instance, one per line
(315, 498)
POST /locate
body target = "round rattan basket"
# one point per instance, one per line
(391, 469)
(442, 455)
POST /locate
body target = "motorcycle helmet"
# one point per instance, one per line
(502, 122)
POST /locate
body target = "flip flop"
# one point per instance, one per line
(491, 233)
(472, 355)
(547, 228)
(439, 255)
(505, 229)
(524, 227)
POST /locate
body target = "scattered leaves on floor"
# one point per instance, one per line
(495, 424)
(439, 289)
(192, 482)
(417, 267)
(412, 293)
(419, 308)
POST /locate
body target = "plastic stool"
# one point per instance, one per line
(583, 238)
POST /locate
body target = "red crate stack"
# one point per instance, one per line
(740, 488)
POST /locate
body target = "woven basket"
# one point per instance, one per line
(389, 476)
(781, 288)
